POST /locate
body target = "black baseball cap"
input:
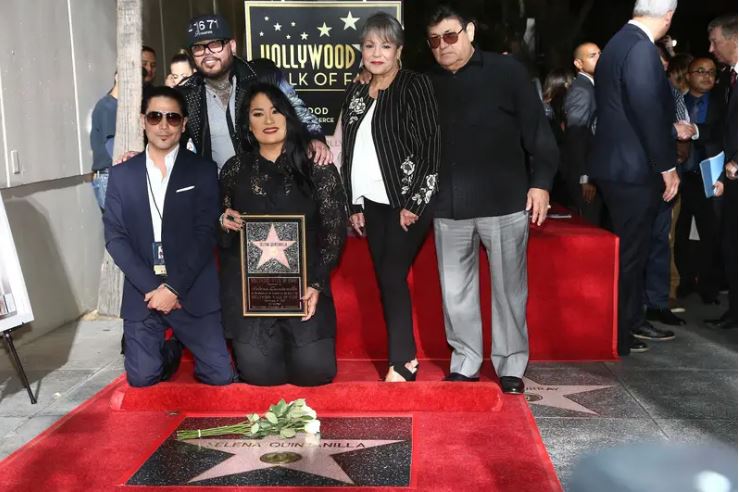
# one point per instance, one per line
(207, 28)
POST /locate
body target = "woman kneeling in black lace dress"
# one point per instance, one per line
(278, 177)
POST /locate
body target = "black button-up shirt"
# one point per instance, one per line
(495, 139)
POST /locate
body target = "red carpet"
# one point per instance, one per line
(573, 273)
(465, 436)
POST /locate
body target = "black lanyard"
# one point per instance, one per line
(153, 198)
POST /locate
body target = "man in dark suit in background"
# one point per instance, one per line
(722, 34)
(633, 154)
(580, 112)
(700, 270)
(160, 218)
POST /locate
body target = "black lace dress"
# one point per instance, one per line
(252, 184)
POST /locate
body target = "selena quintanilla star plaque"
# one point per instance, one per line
(273, 265)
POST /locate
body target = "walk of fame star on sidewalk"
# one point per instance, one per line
(250, 455)
(551, 395)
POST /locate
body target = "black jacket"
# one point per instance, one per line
(405, 130)
(580, 109)
(247, 73)
(710, 139)
(492, 123)
(633, 138)
(188, 233)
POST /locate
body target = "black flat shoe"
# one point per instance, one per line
(455, 376)
(664, 316)
(511, 385)
(637, 346)
(725, 322)
(648, 332)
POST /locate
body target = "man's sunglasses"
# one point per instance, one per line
(155, 117)
(448, 37)
(214, 47)
(702, 72)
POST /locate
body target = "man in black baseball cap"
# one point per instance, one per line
(216, 91)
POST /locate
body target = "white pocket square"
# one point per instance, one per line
(187, 188)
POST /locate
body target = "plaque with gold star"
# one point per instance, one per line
(273, 265)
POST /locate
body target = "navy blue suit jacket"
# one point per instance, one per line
(633, 137)
(188, 233)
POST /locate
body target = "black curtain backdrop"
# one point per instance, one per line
(561, 25)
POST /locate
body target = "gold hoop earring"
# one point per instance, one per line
(400, 64)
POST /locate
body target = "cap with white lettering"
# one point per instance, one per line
(207, 27)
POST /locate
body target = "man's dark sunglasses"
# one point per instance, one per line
(213, 46)
(155, 117)
(448, 37)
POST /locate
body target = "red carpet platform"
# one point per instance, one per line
(356, 389)
(492, 444)
(464, 436)
(573, 274)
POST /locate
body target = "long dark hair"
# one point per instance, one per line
(296, 142)
(556, 84)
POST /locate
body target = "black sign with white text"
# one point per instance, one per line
(316, 44)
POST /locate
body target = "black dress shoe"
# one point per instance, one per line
(511, 385)
(725, 322)
(648, 332)
(638, 346)
(172, 352)
(664, 316)
(455, 376)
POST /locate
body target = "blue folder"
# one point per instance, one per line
(710, 171)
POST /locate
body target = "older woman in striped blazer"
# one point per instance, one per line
(390, 142)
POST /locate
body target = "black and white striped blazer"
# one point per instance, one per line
(405, 130)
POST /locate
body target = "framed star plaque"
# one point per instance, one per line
(273, 265)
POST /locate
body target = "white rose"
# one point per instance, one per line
(312, 439)
(313, 427)
(309, 411)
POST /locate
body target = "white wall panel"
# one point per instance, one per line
(94, 33)
(38, 91)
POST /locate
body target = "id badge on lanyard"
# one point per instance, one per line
(157, 252)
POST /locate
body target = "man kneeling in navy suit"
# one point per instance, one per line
(171, 277)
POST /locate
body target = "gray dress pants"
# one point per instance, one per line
(457, 248)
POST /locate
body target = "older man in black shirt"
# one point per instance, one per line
(491, 120)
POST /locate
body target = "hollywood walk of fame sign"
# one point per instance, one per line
(273, 265)
(353, 451)
(315, 44)
(555, 395)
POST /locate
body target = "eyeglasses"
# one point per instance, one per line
(702, 72)
(155, 117)
(213, 46)
(448, 37)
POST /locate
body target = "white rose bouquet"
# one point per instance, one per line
(282, 419)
